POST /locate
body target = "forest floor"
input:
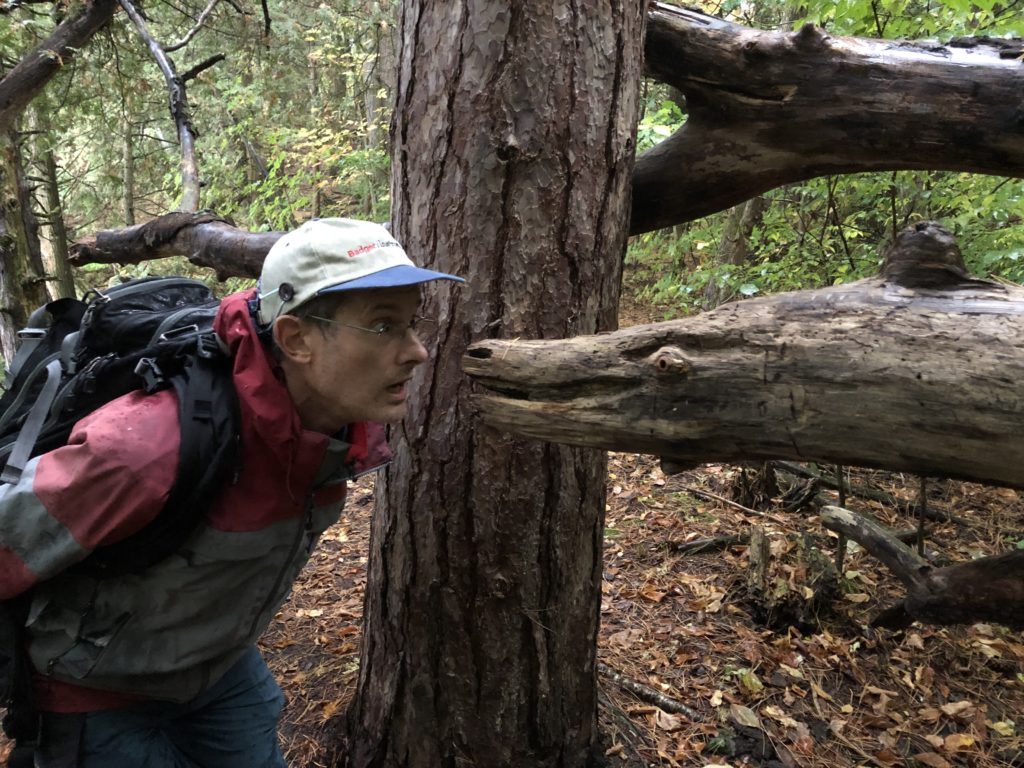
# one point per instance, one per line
(738, 687)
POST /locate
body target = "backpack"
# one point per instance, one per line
(75, 356)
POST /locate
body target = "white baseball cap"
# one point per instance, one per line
(328, 255)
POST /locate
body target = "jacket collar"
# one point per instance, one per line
(264, 397)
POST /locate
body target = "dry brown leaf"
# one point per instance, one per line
(666, 721)
(744, 716)
(932, 760)
(959, 709)
(956, 742)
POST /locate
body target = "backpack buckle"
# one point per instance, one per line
(207, 346)
(152, 377)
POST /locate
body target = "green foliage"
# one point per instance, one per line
(289, 126)
(834, 230)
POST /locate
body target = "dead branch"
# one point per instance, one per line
(30, 75)
(192, 32)
(988, 589)
(648, 694)
(179, 112)
(772, 108)
(207, 240)
(857, 374)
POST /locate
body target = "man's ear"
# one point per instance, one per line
(292, 338)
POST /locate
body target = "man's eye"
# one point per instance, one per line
(381, 327)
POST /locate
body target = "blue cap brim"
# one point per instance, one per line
(392, 277)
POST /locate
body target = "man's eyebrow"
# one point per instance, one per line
(387, 307)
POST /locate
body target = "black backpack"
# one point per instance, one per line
(75, 356)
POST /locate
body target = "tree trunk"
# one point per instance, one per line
(127, 172)
(734, 248)
(771, 108)
(513, 142)
(24, 288)
(916, 371)
(64, 281)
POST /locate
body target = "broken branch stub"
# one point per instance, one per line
(917, 370)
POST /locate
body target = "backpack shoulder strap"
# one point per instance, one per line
(207, 462)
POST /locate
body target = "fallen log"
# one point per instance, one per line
(989, 589)
(917, 370)
(206, 239)
(771, 108)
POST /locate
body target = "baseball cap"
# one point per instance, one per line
(329, 255)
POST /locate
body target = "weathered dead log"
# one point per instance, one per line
(771, 108)
(207, 240)
(918, 371)
(988, 589)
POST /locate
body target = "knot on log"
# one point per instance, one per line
(670, 360)
(925, 255)
(810, 38)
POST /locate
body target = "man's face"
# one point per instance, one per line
(354, 374)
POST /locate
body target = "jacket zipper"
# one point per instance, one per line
(305, 525)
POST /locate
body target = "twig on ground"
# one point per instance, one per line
(699, 546)
(648, 694)
(730, 502)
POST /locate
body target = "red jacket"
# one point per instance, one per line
(172, 630)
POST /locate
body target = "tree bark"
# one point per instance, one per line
(513, 139)
(63, 278)
(918, 370)
(986, 589)
(34, 71)
(20, 249)
(772, 108)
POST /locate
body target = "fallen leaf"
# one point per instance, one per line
(750, 681)
(1003, 727)
(936, 741)
(956, 742)
(666, 721)
(932, 760)
(914, 640)
(778, 715)
(716, 698)
(744, 716)
(650, 593)
(857, 597)
(961, 709)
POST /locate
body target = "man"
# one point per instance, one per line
(159, 669)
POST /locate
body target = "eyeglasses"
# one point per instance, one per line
(388, 331)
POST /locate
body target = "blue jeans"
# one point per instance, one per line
(233, 724)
